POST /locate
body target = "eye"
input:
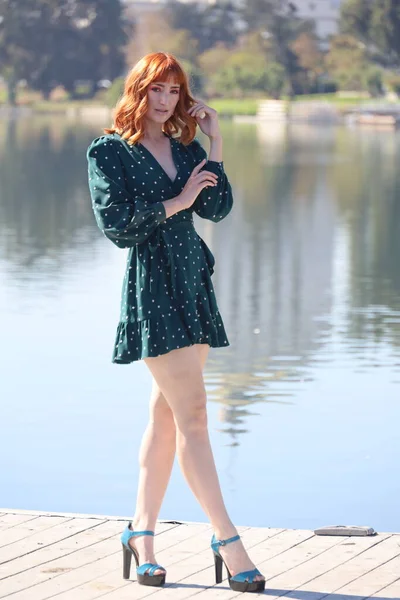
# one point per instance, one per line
(175, 91)
(155, 89)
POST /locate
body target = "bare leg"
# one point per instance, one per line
(156, 458)
(179, 377)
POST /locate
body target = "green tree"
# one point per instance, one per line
(310, 59)
(246, 74)
(355, 18)
(57, 42)
(21, 40)
(219, 55)
(102, 33)
(155, 34)
(348, 63)
(279, 25)
(242, 75)
(384, 30)
(377, 24)
(208, 24)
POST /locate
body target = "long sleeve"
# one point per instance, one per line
(214, 203)
(124, 219)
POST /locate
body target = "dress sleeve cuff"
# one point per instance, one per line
(159, 211)
(214, 166)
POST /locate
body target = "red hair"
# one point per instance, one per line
(131, 109)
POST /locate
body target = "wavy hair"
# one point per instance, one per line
(131, 109)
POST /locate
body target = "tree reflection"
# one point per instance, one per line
(44, 202)
(368, 184)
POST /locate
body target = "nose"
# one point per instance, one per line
(163, 98)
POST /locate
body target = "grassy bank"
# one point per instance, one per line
(248, 106)
(226, 107)
(230, 107)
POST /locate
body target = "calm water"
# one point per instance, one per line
(304, 405)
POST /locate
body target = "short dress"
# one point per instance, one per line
(168, 299)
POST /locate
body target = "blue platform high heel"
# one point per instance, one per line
(145, 572)
(242, 582)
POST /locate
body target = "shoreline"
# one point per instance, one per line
(268, 111)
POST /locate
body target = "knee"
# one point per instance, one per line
(193, 419)
(161, 417)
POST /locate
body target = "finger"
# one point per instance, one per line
(206, 184)
(195, 105)
(208, 173)
(206, 179)
(198, 167)
(201, 177)
(199, 111)
(192, 108)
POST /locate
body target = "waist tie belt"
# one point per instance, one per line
(160, 242)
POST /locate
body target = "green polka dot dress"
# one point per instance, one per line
(168, 298)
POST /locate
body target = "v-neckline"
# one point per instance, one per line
(171, 143)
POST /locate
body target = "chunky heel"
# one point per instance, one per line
(146, 572)
(218, 568)
(126, 562)
(242, 582)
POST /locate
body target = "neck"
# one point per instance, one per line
(153, 132)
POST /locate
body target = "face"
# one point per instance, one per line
(162, 99)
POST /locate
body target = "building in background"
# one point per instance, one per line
(325, 13)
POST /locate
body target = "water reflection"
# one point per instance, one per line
(317, 216)
(43, 198)
(308, 258)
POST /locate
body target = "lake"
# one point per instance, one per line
(304, 405)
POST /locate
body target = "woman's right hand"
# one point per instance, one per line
(195, 184)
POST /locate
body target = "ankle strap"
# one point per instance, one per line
(225, 542)
(135, 533)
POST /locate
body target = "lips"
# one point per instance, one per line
(161, 111)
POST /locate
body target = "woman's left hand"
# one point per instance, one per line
(209, 124)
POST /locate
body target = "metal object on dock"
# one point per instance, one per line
(353, 530)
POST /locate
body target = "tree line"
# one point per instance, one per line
(49, 43)
(262, 47)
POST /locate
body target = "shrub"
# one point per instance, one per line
(115, 91)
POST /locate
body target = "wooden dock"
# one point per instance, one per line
(78, 557)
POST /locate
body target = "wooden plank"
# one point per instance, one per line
(45, 556)
(85, 547)
(44, 513)
(371, 582)
(27, 530)
(391, 591)
(195, 574)
(283, 567)
(49, 535)
(310, 569)
(359, 575)
(179, 558)
(177, 549)
(10, 520)
(75, 575)
(96, 541)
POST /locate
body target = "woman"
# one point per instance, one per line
(147, 176)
